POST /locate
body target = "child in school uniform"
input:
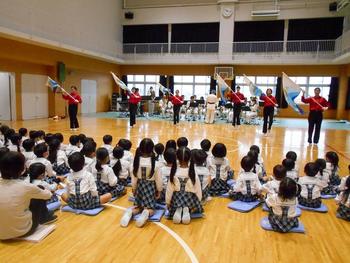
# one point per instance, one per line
(219, 168)
(293, 155)
(170, 144)
(28, 153)
(89, 152)
(258, 169)
(3, 131)
(81, 187)
(332, 167)
(272, 186)
(343, 181)
(58, 158)
(106, 181)
(16, 142)
(7, 137)
(41, 152)
(283, 204)
(37, 175)
(159, 150)
(73, 146)
(183, 193)
(146, 184)
(260, 162)
(205, 146)
(247, 187)
(24, 134)
(126, 145)
(182, 142)
(311, 187)
(60, 137)
(107, 143)
(164, 171)
(343, 201)
(22, 205)
(120, 166)
(40, 137)
(323, 174)
(289, 165)
(200, 160)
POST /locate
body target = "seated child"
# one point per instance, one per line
(332, 167)
(89, 152)
(73, 146)
(311, 187)
(23, 205)
(289, 165)
(126, 145)
(164, 171)
(81, 187)
(323, 175)
(283, 204)
(343, 201)
(120, 166)
(107, 143)
(219, 168)
(200, 160)
(106, 181)
(159, 150)
(41, 152)
(247, 187)
(205, 146)
(258, 169)
(343, 181)
(183, 193)
(24, 134)
(170, 144)
(182, 142)
(271, 187)
(58, 158)
(59, 136)
(293, 155)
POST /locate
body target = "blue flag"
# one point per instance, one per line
(52, 84)
(291, 90)
(120, 83)
(163, 89)
(254, 90)
(222, 87)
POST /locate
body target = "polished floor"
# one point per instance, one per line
(223, 235)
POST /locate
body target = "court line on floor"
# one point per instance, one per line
(184, 245)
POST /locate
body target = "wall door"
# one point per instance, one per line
(34, 97)
(5, 96)
(88, 95)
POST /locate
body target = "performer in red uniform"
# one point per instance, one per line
(269, 108)
(318, 104)
(177, 101)
(134, 99)
(73, 101)
(238, 99)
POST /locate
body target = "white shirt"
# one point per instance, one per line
(241, 183)
(87, 183)
(125, 172)
(15, 196)
(46, 185)
(72, 149)
(63, 147)
(29, 156)
(271, 187)
(128, 156)
(147, 163)
(307, 180)
(276, 203)
(108, 147)
(293, 174)
(223, 169)
(61, 158)
(330, 168)
(211, 101)
(203, 171)
(342, 186)
(107, 175)
(175, 187)
(48, 166)
(164, 173)
(324, 177)
(340, 197)
(89, 163)
(13, 148)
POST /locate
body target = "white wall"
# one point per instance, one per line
(5, 100)
(93, 25)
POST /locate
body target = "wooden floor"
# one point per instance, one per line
(223, 236)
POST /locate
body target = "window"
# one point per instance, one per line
(263, 82)
(192, 85)
(143, 83)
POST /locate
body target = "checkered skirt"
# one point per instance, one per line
(145, 195)
(334, 180)
(185, 199)
(243, 197)
(205, 191)
(53, 199)
(314, 203)
(60, 169)
(83, 201)
(329, 190)
(104, 188)
(282, 223)
(218, 187)
(343, 212)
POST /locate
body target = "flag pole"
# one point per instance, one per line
(227, 86)
(68, 94)
(169, 92)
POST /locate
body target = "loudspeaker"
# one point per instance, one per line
(333, 7)
(129, 15)
(61, 72)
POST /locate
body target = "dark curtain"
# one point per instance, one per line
(198, 32)
(145, 34)
(162, 81)
(233, 84)
(333, 93)
(171, 84)
(259, 31)
(123, 93)
(347, 105)
(281, 101)
(212, 85)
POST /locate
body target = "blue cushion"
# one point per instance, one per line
(328, 196)
(322, 209)
(266, 209)
(265, 224)
(225, 195)
(54, 206)
(61, 191)
(131, 199)
(243, 207)
(193, 215)
(231, 182)
(91, 212)
(157, 216)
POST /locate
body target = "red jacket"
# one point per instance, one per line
(236, 97)
(134, 98)
(176, 100)
(75, 95)
(269, 101)
(313, 103)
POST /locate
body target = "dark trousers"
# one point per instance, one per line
(236, 114)
(133, 110)
(73, 110)
(268, 117)
(40, 213)
(176, 109)
(315, 121)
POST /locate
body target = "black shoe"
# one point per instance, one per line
(51, 217)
